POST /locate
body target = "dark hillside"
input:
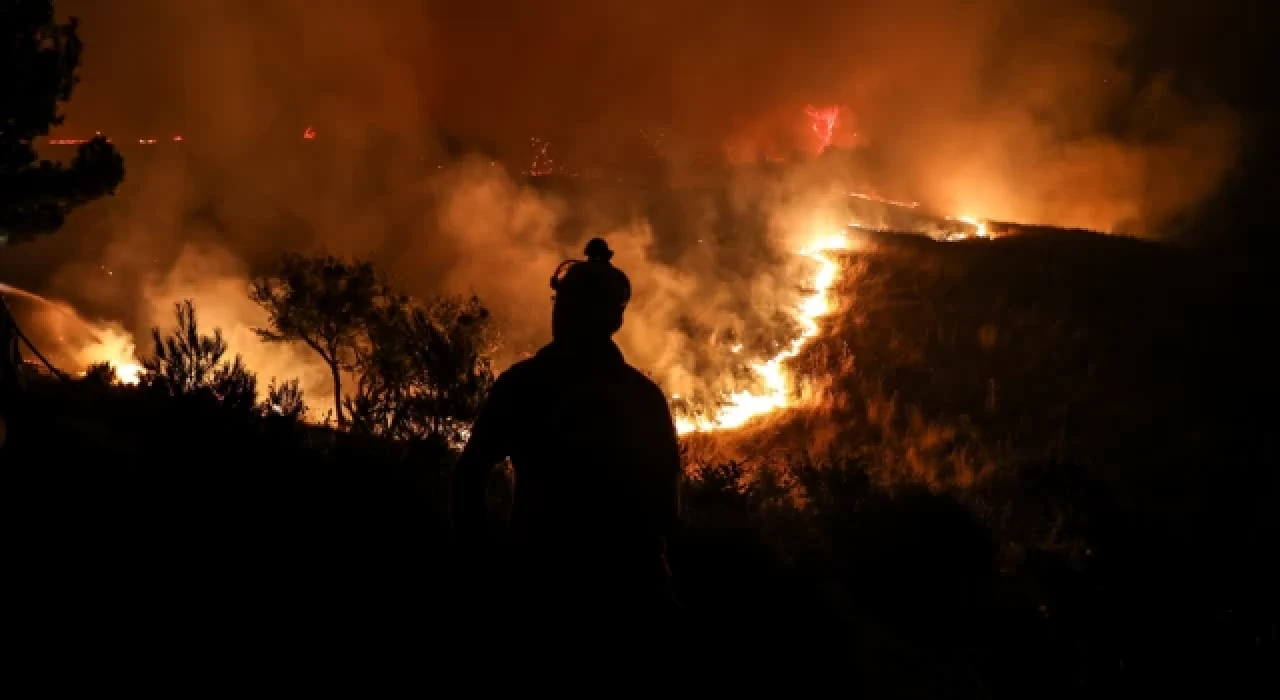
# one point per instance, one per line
(1148, 364)
(1092, 417)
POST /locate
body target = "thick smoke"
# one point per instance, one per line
(1008, 109)
(999, 109)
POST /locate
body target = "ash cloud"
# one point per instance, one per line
(1001, 109)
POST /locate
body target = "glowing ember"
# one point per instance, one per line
(542, 163)
(309, 133)
(742, 406)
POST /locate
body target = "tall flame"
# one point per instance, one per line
(742, 406)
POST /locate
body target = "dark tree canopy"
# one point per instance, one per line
(38, 62)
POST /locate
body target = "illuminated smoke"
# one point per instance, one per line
(778, 391)
(68, 339)
(994, 110)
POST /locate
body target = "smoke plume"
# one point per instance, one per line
(1000, 109)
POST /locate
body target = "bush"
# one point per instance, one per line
(189, 364)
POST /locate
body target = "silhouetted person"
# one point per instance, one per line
(596, 462)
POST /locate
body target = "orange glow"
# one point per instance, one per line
(982, 225)
(74, 142)
(882, 200)
(82, 341)
(309, 133)
(116, 348)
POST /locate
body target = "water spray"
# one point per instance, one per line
(7, 320)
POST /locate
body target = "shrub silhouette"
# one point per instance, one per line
(189, 364)
(285, 400)
(100, 374)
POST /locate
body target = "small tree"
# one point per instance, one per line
(38, 63)
(188, 363)
(325, 303)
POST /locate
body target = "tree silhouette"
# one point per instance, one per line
(187, 363)
(325, 303)
(38, 63)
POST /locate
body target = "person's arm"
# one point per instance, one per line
(486, 446)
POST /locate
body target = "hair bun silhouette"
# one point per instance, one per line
(598, 251)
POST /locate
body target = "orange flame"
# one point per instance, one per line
(742, 406)
(116, 348)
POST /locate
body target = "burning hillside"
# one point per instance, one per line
(722, 370)
(775, 386)
(718, 320)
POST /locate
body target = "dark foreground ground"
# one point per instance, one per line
(1050, 472)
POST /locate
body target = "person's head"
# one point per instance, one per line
(590, 296)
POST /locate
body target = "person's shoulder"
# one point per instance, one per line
(521, 367)
(518, 374)
(642, 386)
